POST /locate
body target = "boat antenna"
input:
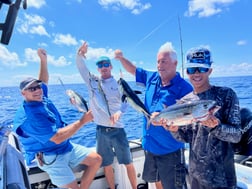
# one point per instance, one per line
(181, 47)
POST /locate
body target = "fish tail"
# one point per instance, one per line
(148, 122)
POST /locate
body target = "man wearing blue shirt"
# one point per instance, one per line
(44, 134)
(164, 159)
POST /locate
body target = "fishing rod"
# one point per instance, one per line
(181, 47)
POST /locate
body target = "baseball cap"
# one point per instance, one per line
(103, 59)
(28, 82)
(199, 57)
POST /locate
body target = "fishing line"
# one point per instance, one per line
(154, 30)
(61, 82)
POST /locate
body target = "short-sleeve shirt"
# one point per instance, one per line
(35, 123)
(157, 140)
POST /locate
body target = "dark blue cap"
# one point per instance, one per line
(27, 82)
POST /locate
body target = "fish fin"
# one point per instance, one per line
(186, 114)
(149, 120)
(189, 97)
(124, 98)
(137, 92)
(165, 106)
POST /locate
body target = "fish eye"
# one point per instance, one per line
(205, 106)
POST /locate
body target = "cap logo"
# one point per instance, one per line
(198, 55)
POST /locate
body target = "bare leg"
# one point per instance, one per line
(93, 161)
(158, 185)
(72, 185)
(132, 175)
(109, 174)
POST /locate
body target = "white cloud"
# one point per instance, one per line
(9, 59)
(36, 3)
(61, 39)
(206, 8)
(32, 24)
(243, 68)
(134, 5)
(95, 53)
(42, 45)
(241, 42)
(40, 30)
(32, 56)
(59, 62)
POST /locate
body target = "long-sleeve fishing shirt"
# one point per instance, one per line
(211, 157)
(102, 108)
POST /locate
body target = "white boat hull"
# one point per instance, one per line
(14, 172)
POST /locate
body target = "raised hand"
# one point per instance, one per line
(42, 55)
(118, 54)
(83, 49)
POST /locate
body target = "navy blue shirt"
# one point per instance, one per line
(35, 123)
(156, 139)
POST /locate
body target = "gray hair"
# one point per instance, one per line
(168, 48)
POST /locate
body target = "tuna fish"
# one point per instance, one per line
(187, 112)
(77, 100)
(131, 97)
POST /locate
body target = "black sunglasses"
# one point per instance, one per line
(103, 64)
(32, 89)
(194, 69)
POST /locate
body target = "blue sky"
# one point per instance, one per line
(137, 27)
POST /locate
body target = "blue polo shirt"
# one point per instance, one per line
(35, 123)
(157, 140)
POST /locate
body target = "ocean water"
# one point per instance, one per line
(10, 100)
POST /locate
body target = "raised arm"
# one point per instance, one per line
(43, 71)
(128, 66)
(80, 63)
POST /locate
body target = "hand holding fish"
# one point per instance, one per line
(115, 117)
(157, 122)
(164, 123)
(83, 49)
(87, 117)
(211, 121)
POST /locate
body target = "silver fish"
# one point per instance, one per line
(187, 113)
(98, 95)
(77, 100)
(98, 100)
(130, 96)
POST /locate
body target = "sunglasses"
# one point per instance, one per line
(104, 64)
(199, 69)
(32, 89)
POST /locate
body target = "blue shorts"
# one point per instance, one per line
(168, 168)
(60, 171)
(113, 142)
